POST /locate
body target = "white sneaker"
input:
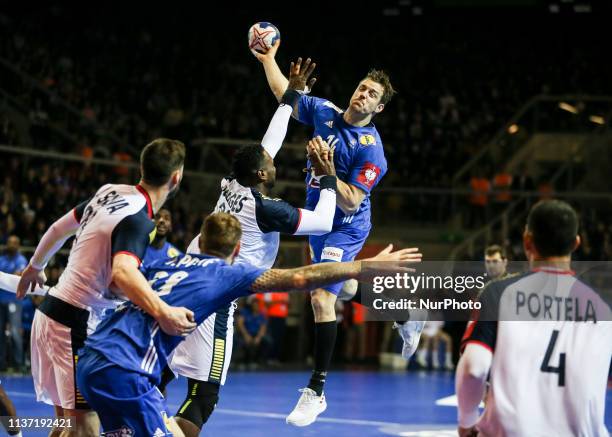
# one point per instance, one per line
(307, 409)
(410, 332)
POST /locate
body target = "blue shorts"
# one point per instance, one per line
(127, 403)
(339, 245)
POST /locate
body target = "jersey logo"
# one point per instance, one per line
(352, 142)
(367, 140)
(368, 174)
(159, 433)
(332, 254)
(329, 124)
(173, 252)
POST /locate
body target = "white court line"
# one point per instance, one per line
(262, 414)
(19, 394)
(451, 401)
(267, 415)
(319, 419)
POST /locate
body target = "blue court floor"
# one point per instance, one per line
(359, 404)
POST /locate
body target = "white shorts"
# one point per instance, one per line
(54, 347)
(206, 353)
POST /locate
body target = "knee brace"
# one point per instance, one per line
(200, 402)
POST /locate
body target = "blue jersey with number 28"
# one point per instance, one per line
(132, 339)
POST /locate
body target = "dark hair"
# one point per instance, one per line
(247, 161)
(495, 248)
(379, 76)
(159, 159)
(554, 226)
(220, 233)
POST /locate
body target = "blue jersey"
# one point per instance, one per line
(11, 264)
(132, 339)
(359, 156)
(153, 254)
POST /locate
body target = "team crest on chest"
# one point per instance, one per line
(367, 140)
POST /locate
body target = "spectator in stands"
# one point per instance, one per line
(354, 327)
(502, 184)
(252, 328)
(277, 310)
(12, 261)
(523, 182)
(433, 335)
(496, 261)
(479, 199)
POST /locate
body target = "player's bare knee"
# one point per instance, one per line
(322, 302)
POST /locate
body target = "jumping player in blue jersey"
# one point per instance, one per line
(160, 248)
(128, 347)
(360, 165)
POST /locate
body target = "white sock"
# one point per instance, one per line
(422, 355)
(449, 360)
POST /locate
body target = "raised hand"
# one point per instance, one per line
(387, 262)
(408, 255)
(29, 279)
(321, 157)
(269, 55)
(299, 75)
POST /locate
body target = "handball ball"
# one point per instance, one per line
(262, 36)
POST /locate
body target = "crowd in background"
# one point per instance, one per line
(138, 77)
(35, 194)
(132, 78)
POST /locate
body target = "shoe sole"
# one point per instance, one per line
(301, 424)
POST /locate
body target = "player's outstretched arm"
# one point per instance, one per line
(50, 243)
(299, 79)
(316, 276)
(9, 282)
(127, 277)
(470, 382)
(276, 79)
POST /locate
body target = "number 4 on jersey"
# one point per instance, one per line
(547, 368)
